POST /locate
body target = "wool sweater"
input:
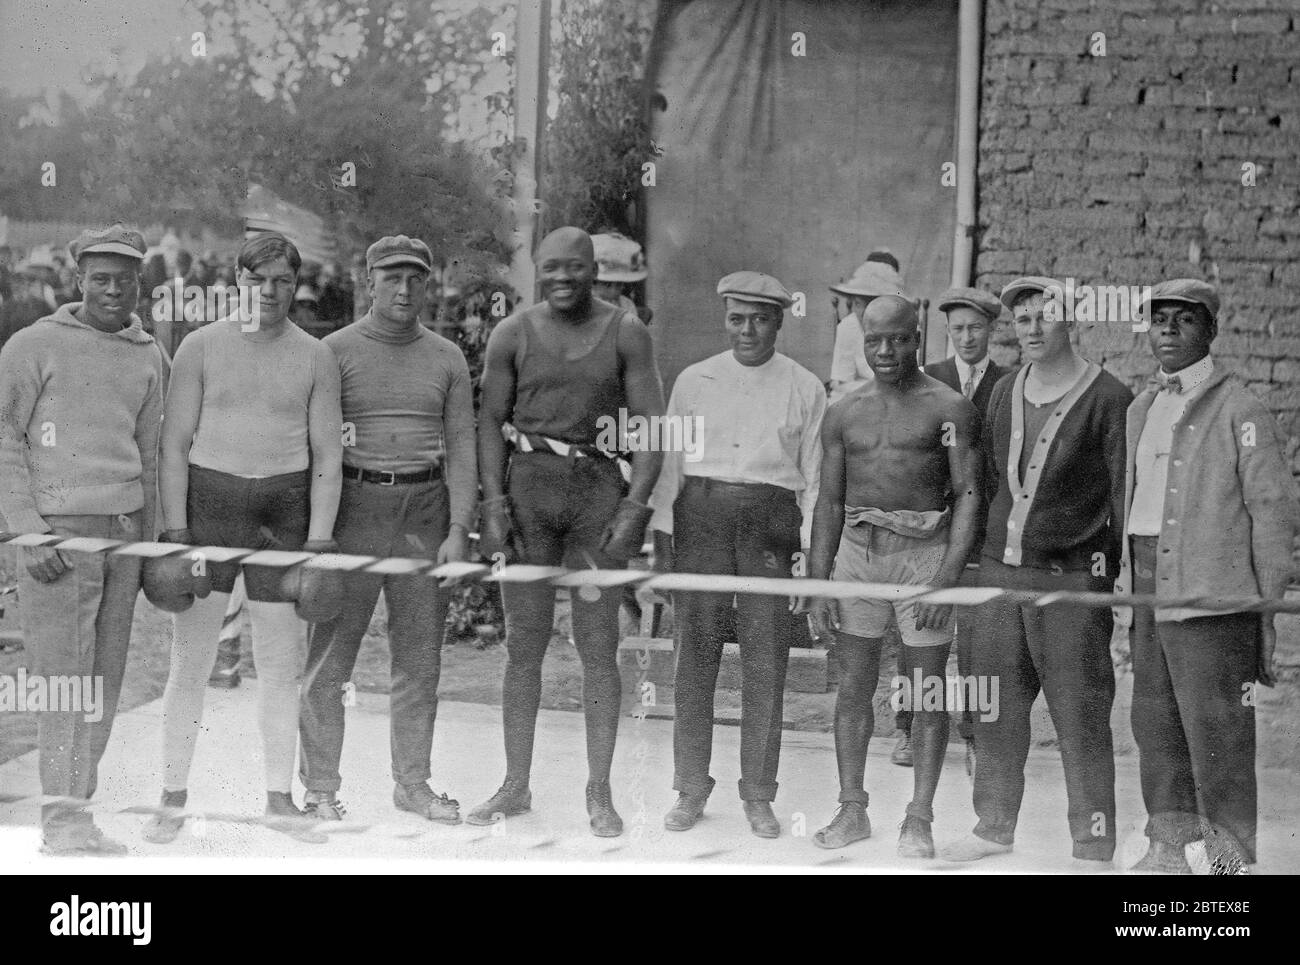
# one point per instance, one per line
(409, 399)
(80, 411)
(1069, 506)
(1230, 504)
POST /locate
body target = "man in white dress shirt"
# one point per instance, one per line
(739, 504)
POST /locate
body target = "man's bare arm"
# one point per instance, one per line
(645, 397)
(965, 470)
(496, 406)
(828, 514)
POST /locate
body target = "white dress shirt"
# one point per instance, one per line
(757, 424)
(849, 368)
(1151, 463)
(965, 372)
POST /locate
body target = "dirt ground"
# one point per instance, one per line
(474, 675)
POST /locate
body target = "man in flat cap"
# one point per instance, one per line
(557, 375)
(1054, 447)
(81, 395)
(876, 276)
(971, 314)
(1211, 510)
(410, 487)
(900, 502)
(740, 506)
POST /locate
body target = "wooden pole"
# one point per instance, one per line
(532, 58)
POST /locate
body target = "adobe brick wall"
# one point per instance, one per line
(1127, 168)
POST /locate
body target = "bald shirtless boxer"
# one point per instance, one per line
(899, 503)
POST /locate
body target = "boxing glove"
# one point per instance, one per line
(173, 582)
(625, 533)
(317, 593)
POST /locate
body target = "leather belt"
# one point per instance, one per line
(383, 477)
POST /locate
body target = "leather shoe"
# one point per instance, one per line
(683, 815)
(761, 819)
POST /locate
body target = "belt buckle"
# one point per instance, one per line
(390, 481)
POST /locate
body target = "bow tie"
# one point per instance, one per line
(1172, 383)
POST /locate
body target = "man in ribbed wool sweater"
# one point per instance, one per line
(80, 407)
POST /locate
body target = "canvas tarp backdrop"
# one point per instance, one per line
(797, 165)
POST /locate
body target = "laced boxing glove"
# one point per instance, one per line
(317, 593)
(625, 533)
(172, 583)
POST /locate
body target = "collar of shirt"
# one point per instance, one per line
(733, 368)
(964, 370)
(1192, 376)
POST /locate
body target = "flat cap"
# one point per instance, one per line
(116, 240)
(754, 286)
(1029, 283)
(618, 258)
(986, 303)
(398, 250)
(1193, 291)
(871, 280)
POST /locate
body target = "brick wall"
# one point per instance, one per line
(1127, 168)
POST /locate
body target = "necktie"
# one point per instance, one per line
(1172, 383)
(968, 389)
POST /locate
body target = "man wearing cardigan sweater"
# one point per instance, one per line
(80, 406)
(1201, 448)
(1054, 443)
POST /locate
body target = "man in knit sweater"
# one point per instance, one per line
(1054, 444)
(80, 405)
(410, 487)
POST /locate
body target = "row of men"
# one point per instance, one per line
(1066, 484)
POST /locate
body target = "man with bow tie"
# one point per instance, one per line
(1211, 511)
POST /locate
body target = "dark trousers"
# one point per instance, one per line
(79, 626)
(377, 520)
(1195, 732)
(738, 530)
(1065, 652)
(561, 507)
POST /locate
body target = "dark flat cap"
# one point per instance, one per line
(986, 303)
(1193, 291)
(754, 286)
(117, 240)
(398, 250)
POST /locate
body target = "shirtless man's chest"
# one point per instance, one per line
(895, 451)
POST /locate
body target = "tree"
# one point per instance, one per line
(600, 137)
(339, 108)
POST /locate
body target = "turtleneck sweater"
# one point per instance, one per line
(408, 405)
